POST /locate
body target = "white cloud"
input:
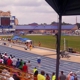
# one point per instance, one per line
(69, 19)
(4, 3)
(28, 11)
(27, 3)
(21, 2)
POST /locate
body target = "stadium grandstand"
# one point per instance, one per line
(7, 22)
(47, 29)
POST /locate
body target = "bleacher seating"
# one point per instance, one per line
(22, 76)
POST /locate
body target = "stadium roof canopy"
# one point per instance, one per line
(63, 8)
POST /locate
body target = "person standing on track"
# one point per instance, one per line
(39, 44)
(39, 61)
(30, 47)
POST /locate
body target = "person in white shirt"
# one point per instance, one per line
(5, 55)
(29, 66)
(14, 60)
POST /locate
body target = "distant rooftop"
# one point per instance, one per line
(43, 27)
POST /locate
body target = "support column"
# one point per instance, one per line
(58, 47)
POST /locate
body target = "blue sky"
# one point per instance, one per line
(29, 11)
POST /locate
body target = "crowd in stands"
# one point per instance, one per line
(11, 61)
(42, 76)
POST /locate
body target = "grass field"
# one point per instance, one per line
(49, 41)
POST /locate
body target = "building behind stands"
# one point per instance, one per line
(7, 22)
(44, 29)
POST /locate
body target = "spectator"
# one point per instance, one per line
(34, 70)
(21, 64)
(75, 77)
(29, 66)
(25, 68)
(15, 77)
(9, 62)
(17, 63)
(1, 60)
(71, 76)
(53, 76)
(5, 55)
(47, 77)
(36, 75)
(14, 60)
(62, 76)
(41, 76)
(10, 56)
(5, 59)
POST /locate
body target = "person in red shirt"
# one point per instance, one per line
(25, 68)
(47, 77)
(9, 62)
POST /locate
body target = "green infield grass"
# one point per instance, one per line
(50, 41)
